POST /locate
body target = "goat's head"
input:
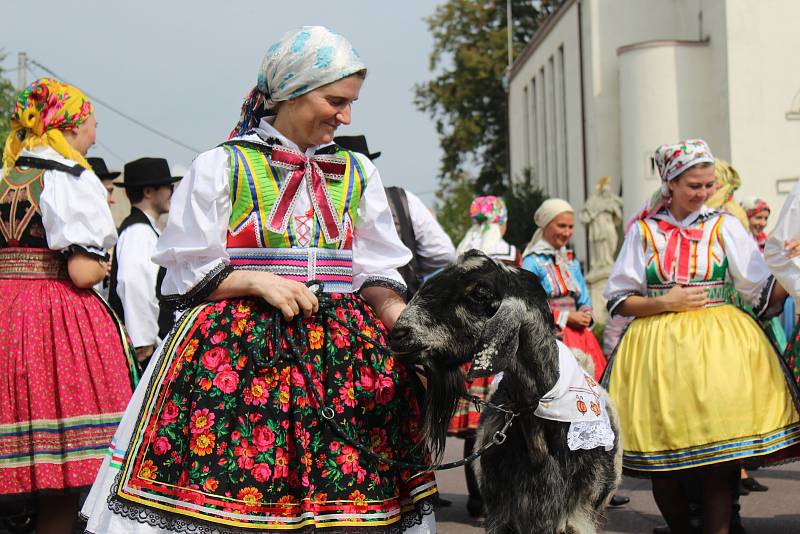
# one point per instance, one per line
(477, 311)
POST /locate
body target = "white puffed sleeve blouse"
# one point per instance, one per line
(74, 209)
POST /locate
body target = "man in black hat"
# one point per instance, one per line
(431, 247)
(148, 185)
(106, 177)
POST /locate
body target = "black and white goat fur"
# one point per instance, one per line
(498, 318)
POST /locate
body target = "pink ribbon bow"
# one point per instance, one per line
(679, 243)
(316, 170)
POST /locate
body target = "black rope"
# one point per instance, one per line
(327, 414)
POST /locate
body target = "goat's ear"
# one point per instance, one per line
(499, 340)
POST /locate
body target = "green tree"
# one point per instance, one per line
(452, 207)
(8, 98)
(467, 99)
(522, 199)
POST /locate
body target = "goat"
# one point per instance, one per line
(499, 319)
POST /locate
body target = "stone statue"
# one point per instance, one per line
(602, 213)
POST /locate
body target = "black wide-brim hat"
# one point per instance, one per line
(147, 172)
(356, 143)
(101, 170)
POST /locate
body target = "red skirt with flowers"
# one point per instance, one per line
(230, 431)
(64, 379)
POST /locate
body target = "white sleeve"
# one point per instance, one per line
(136, 283)
(435, 250)
(785, 269)
(750, 274)
(628, 274)
(75, 212)
(192, 246)
(377, 249)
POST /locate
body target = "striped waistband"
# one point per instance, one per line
(31, 263)
(719, 292)
(563, 303)
(332, 267)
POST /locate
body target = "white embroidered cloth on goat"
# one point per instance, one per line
(578, 400)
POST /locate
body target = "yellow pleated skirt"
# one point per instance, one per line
(700, 387)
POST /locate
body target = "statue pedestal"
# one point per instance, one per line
(597, 280)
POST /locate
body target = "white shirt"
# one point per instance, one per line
(74, 208)
(785, 269)
(136, 282)
(194, 240)
(434, 248)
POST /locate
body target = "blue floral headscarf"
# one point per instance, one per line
(303, 60)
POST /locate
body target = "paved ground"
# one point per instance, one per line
(776, 511)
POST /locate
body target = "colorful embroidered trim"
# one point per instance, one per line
(334, 268)
(31, 263)
(719, 292)
(713, 453)
(56, 441)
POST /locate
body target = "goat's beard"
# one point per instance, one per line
(446, 385)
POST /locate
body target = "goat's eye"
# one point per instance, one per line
(480, 293)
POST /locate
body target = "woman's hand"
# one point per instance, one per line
(579, 319)
(290, 297)
(792, 247)
(681, 298)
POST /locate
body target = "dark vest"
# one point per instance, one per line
(398, 203)
(166, 312)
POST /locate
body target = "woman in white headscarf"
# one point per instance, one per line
(561, 276)
(696, 382)
(240, 419)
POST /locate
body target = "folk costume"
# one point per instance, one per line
(64, 357)
(561, 276)
(134, 276)
(229, 431)
(698, 387)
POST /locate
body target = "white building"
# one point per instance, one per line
(604, 82)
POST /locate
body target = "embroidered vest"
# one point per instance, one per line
(693, 256)
(20, 216)
(255, 187)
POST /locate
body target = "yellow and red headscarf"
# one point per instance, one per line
(44, 110)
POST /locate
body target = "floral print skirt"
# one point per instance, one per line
(64, 382)
(225, 428)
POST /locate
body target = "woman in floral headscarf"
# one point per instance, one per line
(696, 382)
(269, 406)
(64, 356)
(757, 211)
(489, 224)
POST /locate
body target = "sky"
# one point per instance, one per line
(184, 67)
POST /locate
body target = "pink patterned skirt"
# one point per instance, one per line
(64, 376)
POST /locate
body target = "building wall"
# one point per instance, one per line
(545, 117)
(763, 80)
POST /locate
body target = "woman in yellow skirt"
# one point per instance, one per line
(696, 383)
